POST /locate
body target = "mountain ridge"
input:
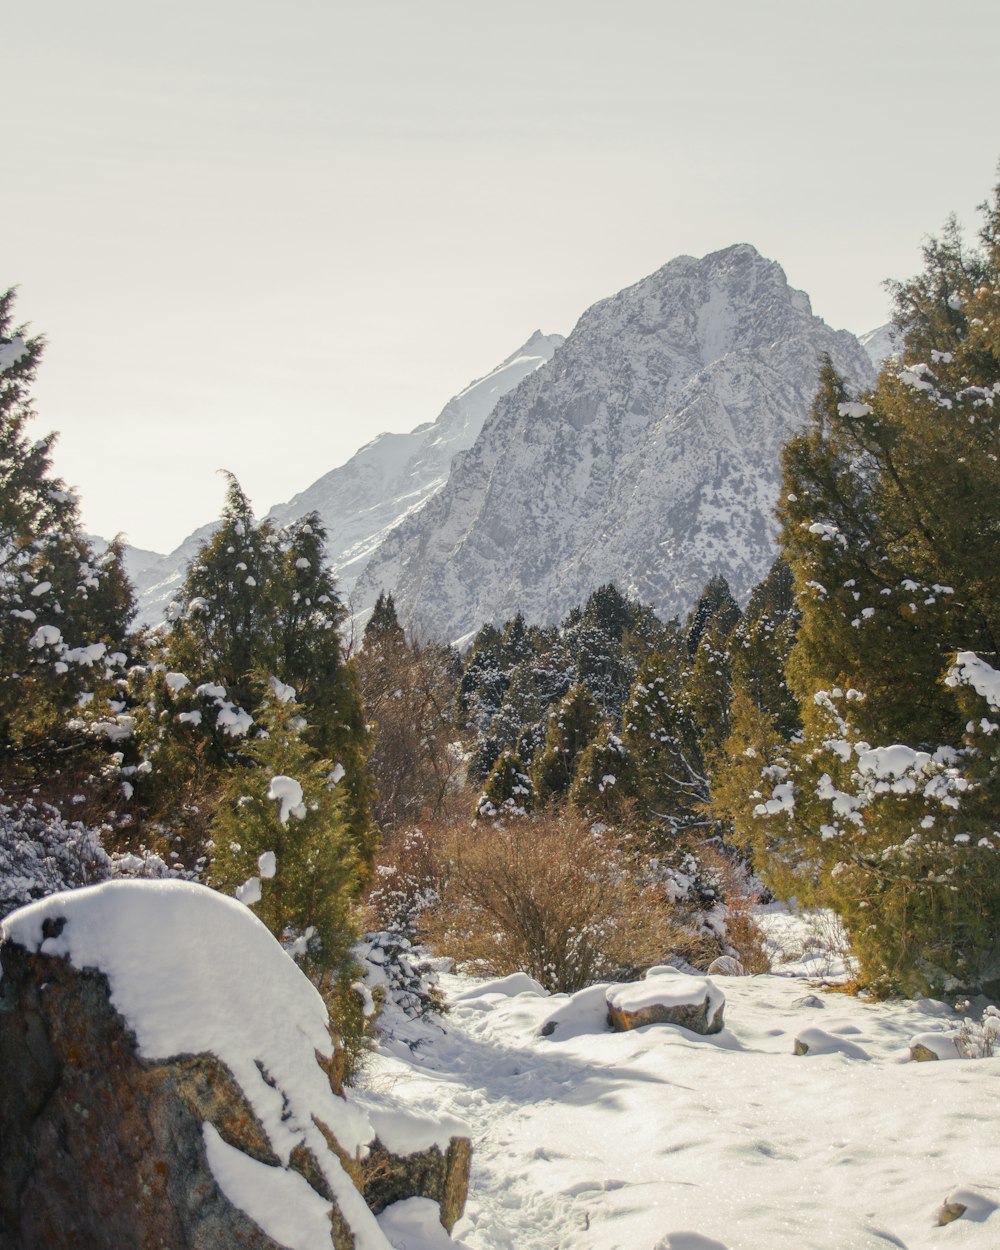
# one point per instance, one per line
(626, 458)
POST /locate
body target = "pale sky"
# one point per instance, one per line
(255, 235)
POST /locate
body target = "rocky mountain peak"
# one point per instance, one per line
(646, 453)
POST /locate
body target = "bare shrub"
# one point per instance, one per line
(740, 935)
(407, 880)
(552, 896)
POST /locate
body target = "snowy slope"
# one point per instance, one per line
(663, 1140)
(157, 583)
(387, 480)
(394, 475)
(883, 343)
(646, 453)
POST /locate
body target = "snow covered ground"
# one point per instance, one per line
(662, 1140)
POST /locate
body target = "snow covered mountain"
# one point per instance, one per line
(394, 475)
(361, 501)
(645, 453)
(883, 343)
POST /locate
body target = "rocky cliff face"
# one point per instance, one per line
(364, 499)
(645, 453)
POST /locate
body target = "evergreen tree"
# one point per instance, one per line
(571, 728)
(603, 784)
(889, 520)
(383, 624)
(259, 605)
(508, 790)
(663, 741)
(281, 834)
(715, 605)
(760, 645)
(64, 612)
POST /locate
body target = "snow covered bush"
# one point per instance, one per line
(407, 881)
(42, 853)
(397, 975)
(978, 1039)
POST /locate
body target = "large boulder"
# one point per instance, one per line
(667, 996)
(166, 1081)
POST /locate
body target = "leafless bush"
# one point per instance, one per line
(552, 896)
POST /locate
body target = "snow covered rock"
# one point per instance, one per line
(667, 996)
(819, 1042)
(167, 1081)
(926, 1047)
(726, 966)
(645, 453)
(965, 1202)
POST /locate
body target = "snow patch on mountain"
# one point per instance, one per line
(882, 344)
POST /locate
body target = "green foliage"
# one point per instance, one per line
(715, 607)
(574, 724)
(661, 735)
(65, 613)
(603, 784)
(890, 518)
(508, 790)
(258, 605)
(760, 644)
(383, 624)
(312, 893)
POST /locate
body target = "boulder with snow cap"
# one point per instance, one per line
(166, 1082)
(819, 1042)
(667, 996)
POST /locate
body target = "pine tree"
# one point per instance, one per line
(574, 724)
(889, 520)
(65, 613)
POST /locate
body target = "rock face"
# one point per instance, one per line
(432, 1173)
(102, 1149)
(361, 501)
(166, 1080)
(646, 453)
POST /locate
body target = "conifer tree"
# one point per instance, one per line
(259, 603)
(65, 613)
(715, 605)
(574, 724)
(663, 742)
(383, 625)
(889, 523)
(508, 790)
(603, 784)
(284, 845)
